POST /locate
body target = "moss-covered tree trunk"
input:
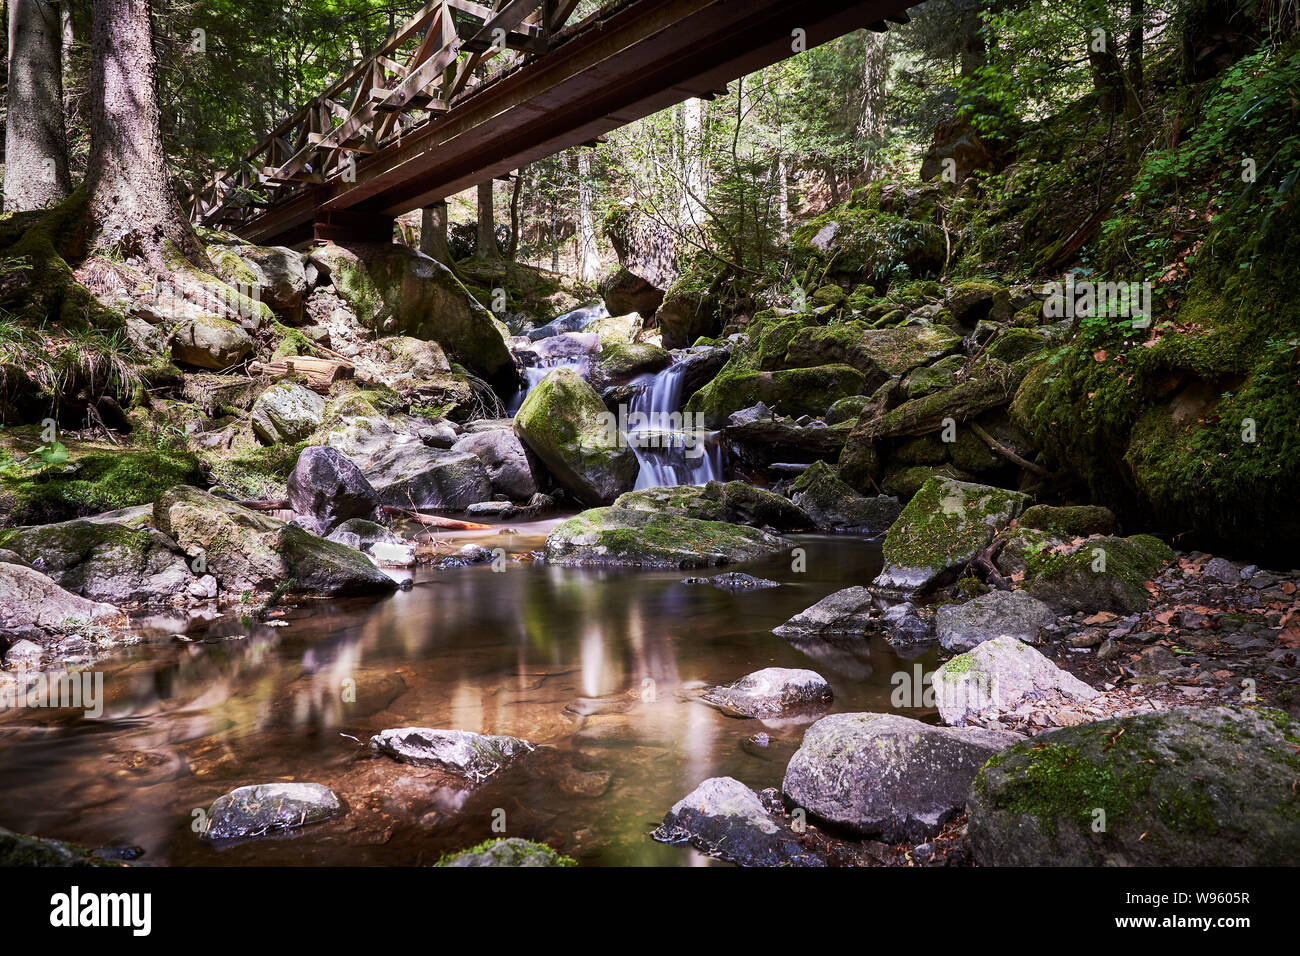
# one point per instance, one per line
(132, 209)
(36, 152)
(486, 242)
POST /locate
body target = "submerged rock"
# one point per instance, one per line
(620, 536)
(509, 851)
(844, 612)
(774, 692)
(269, 807)
(944, 526)
(1000, 673)
(735, 581)
(1188, 787)
(887, 775)
(470, 755)
(1013, 614)
(21, 849)
(724, 818)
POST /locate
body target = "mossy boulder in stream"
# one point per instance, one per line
(945, 525)
(1188, 787)
(735, 502)
(507, 851)
(567, 426)
(833, 504)
(251, 552)
(622, 536)
(792, 391)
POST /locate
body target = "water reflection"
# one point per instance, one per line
(599, 668)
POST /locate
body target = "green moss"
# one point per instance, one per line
(255, 472)
(506, 852)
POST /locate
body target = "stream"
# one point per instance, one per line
(593, 666)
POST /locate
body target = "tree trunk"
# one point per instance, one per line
(36, 152)
(875, 77)
(132, 208)
(586, 227)
(692, 172)
(512, 251)
(433, 232)
(1137, 18)
(485, 246)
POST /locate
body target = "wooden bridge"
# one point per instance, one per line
(421, 118)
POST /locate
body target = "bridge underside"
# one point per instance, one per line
(649, 55)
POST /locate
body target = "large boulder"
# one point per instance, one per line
(1099, 574)
(567, 426)
(1013, 614)
(624, 292)
(774, 692)
(997, 676)
(286, 413)
(32, 605)
(104, 560)
(833, 504)
(504, 459)
(470, 755)
(249, 551)
(208, 341)
(1188, 787)
(414, 475)
(945, 525)
(275, 273)
(724, 818)
(397, 289)
(255, 811)
(327, 488)
(621, 536)
(888, 776)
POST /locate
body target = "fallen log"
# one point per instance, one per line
(266, 504)
(436, 521)
(318, 373)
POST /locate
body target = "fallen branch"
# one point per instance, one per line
(266, 504)
(319, 373)
(436, 521)
(1006, 452)
(984, 564)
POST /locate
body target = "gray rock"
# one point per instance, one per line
(1014, 614)
(1000, 674)
(904, 626)
(735, 581)
(105, 561)
(326, 486)
(286, 413)
(1221, 569)
(269, 807)
(747, 416)
(1202, 786)
(774, 692)
(504, 459)
(470, 755)
(33, 605)
(888, 776)
(412, 475)
(843, 612)
(208, 341)
(491, 509)
(724, 818)
(626, 537)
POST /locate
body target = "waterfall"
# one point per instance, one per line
(670, 449)
(533, 374)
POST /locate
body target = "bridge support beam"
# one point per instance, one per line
(349, 225)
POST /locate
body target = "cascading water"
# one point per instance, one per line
(535, 373)
(671, 452)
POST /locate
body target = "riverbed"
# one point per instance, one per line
(598, 668)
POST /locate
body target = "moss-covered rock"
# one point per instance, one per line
(567, 426)
(621, 536)
(734, 502)
(932, 378)
(1187, 787)
(972, 302)
(846, 409)
(904, 481)
(833, 504)
(509, 851)
(795, 391)
(1099, 574)
(286, 413)
(208, 341)
(396, 289)
(1070, 520)
(944, 526)
(252, 552)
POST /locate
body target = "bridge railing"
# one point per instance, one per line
(417, 72)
